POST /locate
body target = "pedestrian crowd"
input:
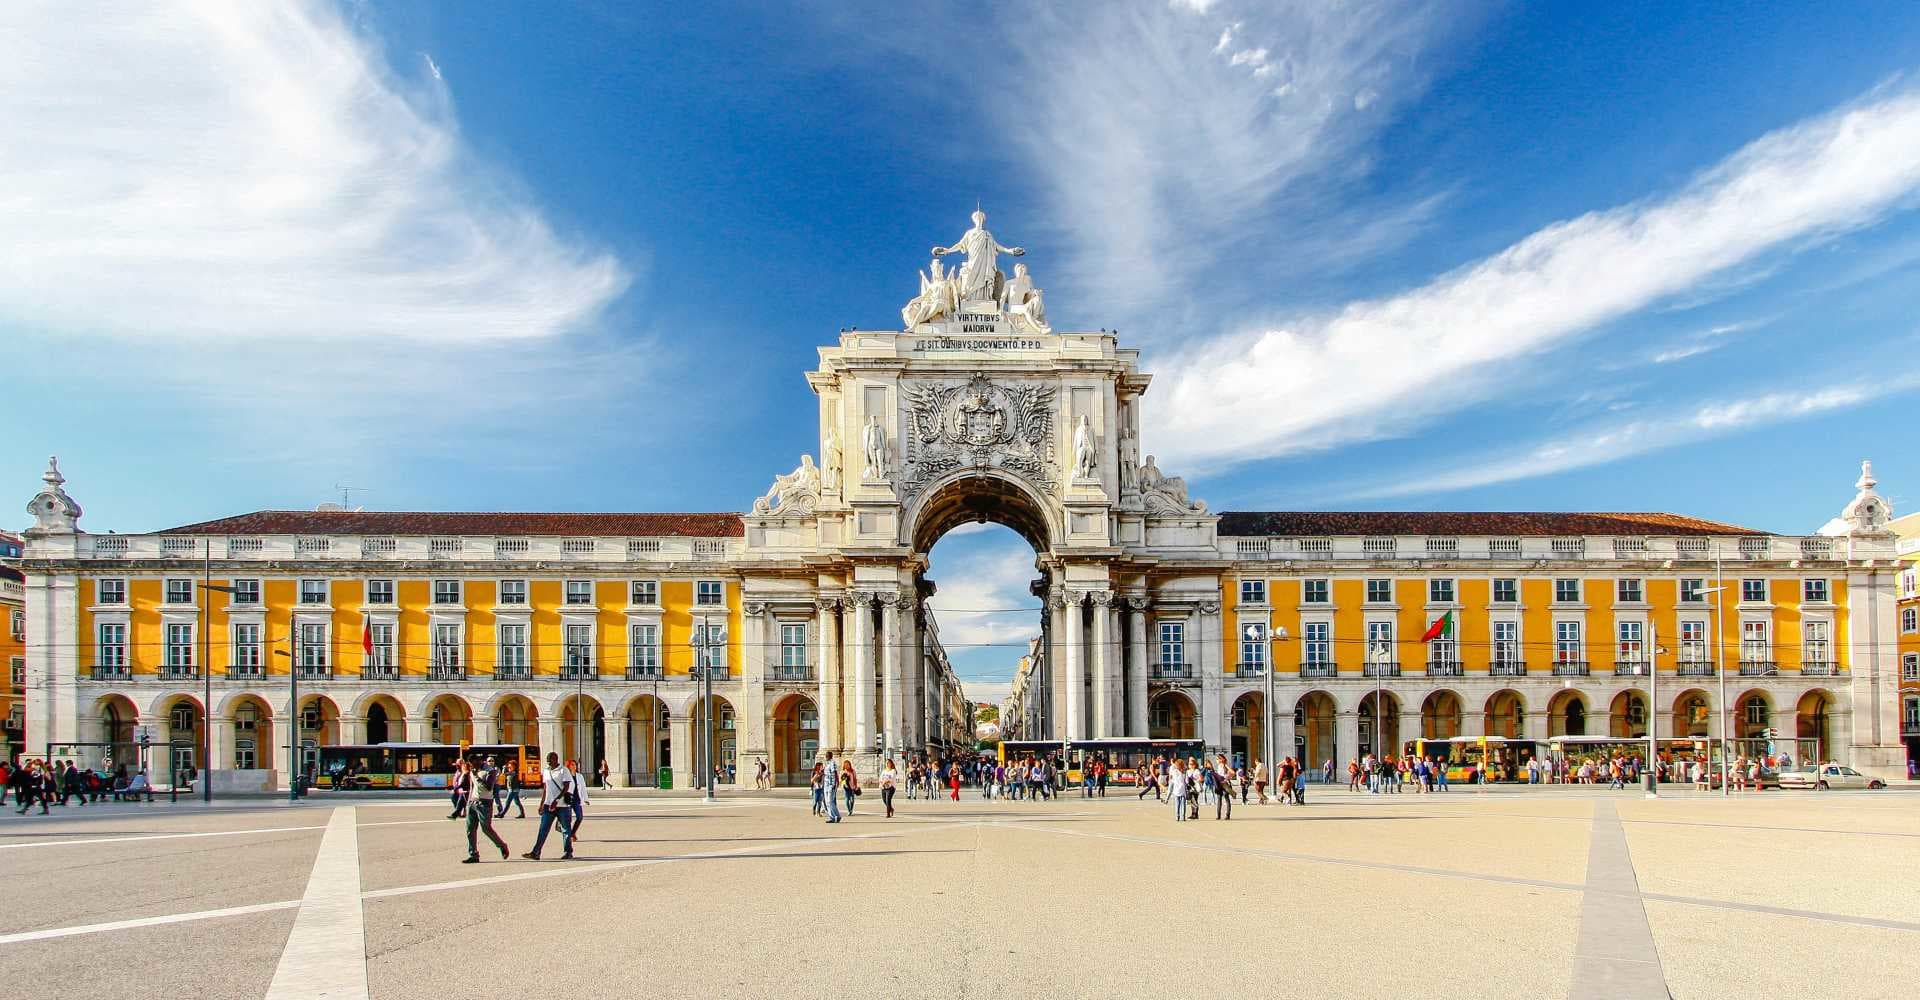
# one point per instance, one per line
(44, 783)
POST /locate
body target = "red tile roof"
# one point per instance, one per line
(1318, 523)
(395, 522)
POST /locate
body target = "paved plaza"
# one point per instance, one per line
(1502, 893)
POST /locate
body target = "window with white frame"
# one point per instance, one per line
(446, 646)
(1566, 590)
(645, 592)
(579, 647)
(1566, 642)
(1316, 592)
(17, 624)
(579, 592)
(179, 646)
(1380, 648)
(313, 591)
(1173, 645)
(379, 591)
(1506, 642)
(314, 649)
(245, 592)
(446, 592)
(1633, 649)
(1910, 619)
(1440, 591)
(1753, 591)
(1253, 654)
(179, 591)
(513, 648)
(113, 591)
(1443, 651)
(1317, 648)
(1693, 640)
(643, 648)
(793, 646)
(112, 650)
(711, 639)
(1753, 642)
(1814, 591)
(513, 592)
(1628, 590)
(1909, 583)
(1379, 591)
(1910, 667)
(1758, 713)
(246, 647)
(1910, 715)
(1506, 590)
(1693, 590)
(1816, 645)
(17, 672)
(710, 593)
(1253, 592)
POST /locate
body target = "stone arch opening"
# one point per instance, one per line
(649, 741)
(1506, 714)
(251, 746)
(795, 739)
(1380, 730)
(1567, 714)
(1171, 716)
(449, 719)
(516, 721)
(975, 497)
(1627, 715)
(583, 733)
(1440, 716)
(1315, 718)
(723, 744)
(1692, 714)
(1248, 733)
(184, 718)
(1814, 721)
(1752, 717)
(384, 718)
(319, 722)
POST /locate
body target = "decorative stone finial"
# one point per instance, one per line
(53, 511)
(1866, 480)
(52, 476)
(1869, 512)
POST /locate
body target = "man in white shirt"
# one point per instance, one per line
(558, 789)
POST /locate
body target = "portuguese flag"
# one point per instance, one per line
(1442, 628)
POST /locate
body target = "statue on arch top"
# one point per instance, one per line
(979, 277)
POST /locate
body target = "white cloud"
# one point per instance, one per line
(1381, 367)
(255, 171)
(1602, 443)
(970, 604)
(1194, 6)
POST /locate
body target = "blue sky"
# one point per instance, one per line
(1549, 256)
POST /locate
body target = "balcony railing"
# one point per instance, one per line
(1250, 669)
(1819, 668)
(247, 671)
(100, 673)
(505, 672)
(578, 672)
(652, 673)
(316, 672)
(1171, 671)
(446, 672)
(380, 671)
(1629, 670)
(1695, 668)
(1759, 668)
(1443, 668)
(1380, 670)
(1570, 668)
(1507, 668)
(1319, 668)
(801, 673)
(175, 673)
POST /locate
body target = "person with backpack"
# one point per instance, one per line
(580, 801)
(481, 782)
(512, 798)
(558, 786)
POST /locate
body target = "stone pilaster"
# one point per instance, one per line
(1107, 690)
(1140, 655)
(829, 664)
(1213, 710)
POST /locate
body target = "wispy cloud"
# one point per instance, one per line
(247, 171)
(1384, 366)
(1600, 443)
(1702, 342)
(971, 604)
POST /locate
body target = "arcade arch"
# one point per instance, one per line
(1247, 734)
(795, 739)
(1171, 716)
(1315, 718)
(1440, 716)
(1506, 714)
(1386, 741)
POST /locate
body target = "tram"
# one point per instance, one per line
(416, 765)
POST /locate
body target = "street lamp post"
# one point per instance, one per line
(207, 589)
(293, 719)
(1257, 632)
(1719, 592)
(1652, 763)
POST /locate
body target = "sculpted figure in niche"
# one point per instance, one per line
(873, 441)
(980, 275)
(1083, 464)
(1129, 462)
(1023, 303)
(830, 456)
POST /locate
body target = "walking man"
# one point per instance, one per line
(513, 794)
(557, 789)
(830, 784)
(481, 783)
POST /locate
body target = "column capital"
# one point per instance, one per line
(827, 602)
(1209, 607)
(1138, 603)
(755, 609)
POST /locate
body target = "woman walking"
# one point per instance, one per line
(579, 801)
(849, 782)
(814, 783)
(1177, 790)
(888, 776)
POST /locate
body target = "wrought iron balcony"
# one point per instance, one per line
(446, 672)
(505, 672)
(802, 673)
(1819, 668)
(1380, 670)
(316, 672)
(1759, 668)
(1171, 671)
(1570, 668)
(1250, 669)
(240, 671)
(578, 672)
(652, 673)
(1630, 670)
(175, 672)
(1507, 668)
(1443, 668)
(1319, 668)
(380, 671)
(1695, 668)
(104, 673)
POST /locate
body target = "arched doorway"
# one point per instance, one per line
(319, 727)
(1385, 739)
(116, 717)
(583, 733)
(449, 719)
(1506, 715)
(516, 722)
(1567, 714)
(184, 718)
(1315, 717)
(1627, 715)
(252, 745)
(1752, 717)
(386, 721)
(1171, 716)
(796, 739)
(722, 747)
(1248, 731)
(1692, 715)
(1440, 716)
(1813, 721)
(649, 746)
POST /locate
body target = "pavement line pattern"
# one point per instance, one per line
(1838, 918)
(1614, 957)
(23, 937)
(326, 953)
(154, 836)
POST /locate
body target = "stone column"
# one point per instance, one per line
(53, 660)
(1073, 637)
(159, 759)
(1281, 719)
(1107, 704)
(353, 730)
(221, 746)
(1141, 655)
(827, 627)
(551, 736)
(750, 722)
(860, 695)
(419, 729)
(891, 644)
(680, 742)
(1346, 740)
(1056, 679)
(1207, 637)
(484, 730)
(923, 711)
(617, 756)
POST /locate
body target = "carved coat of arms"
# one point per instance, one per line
(979, 424)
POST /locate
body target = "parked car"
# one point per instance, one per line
(1828, 776)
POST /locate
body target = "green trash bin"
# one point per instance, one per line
(665, 779)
